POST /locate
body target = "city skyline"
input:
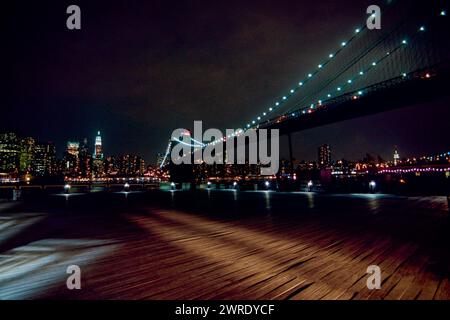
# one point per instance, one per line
(91, 85)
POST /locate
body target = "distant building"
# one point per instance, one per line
(44, 160)
(27, 152)
(98, 167)
(324, 154)
(396, 157)
(85, 159)
(73, 148)
(10, 151)
(98, 149)
(71, 159)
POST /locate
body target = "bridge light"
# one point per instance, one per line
(304, 111)
(339, 89)
(284, 98)
(404, 75)
(360, 93)
(320, 66)
(292, 90)
(443, 13)
(270, 109)
(264, 114)
(349, 81)
(361, 73)
(329, 95)
(422, 28)
(357, 30)
(309, 75)
(300, 84)
(293, 114)
(331, 55)
(404, 42)
(344, 44)
(259, 118)
(248, 125)
(253, 121)
(277, 103)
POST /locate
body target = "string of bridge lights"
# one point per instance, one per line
(303, 82)
(331, 56)
(353, 79)
(300, 84)
(350, 81)
(310, 109)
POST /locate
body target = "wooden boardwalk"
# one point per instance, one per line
(169, 254)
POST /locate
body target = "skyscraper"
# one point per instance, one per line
(98, 151)
(324, 154)
(396, 157)
(10, 149)
(98, 164)
(71, 159)
(85, 160)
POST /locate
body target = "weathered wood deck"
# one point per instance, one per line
(169, 254)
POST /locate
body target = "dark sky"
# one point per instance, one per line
(139, 69)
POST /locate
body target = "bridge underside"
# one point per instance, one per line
(408, 93)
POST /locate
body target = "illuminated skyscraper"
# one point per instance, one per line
(324, 154)
(396, 157)
(73, 148)
(71, 159)
(98, 164)
(98, 151)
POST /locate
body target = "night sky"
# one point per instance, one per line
(139, 69)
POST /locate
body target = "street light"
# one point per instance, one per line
(267, 183)
(67, 188)
(372, 185)
(310, 185)
(127, 186)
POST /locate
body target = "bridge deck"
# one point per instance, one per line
(168, 254)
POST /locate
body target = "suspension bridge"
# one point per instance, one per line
(406, 62)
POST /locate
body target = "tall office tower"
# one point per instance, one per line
(10, 149)
(71, 159)
(98, 164)
(85, 159)
(324, 153)
(40, 160)
(73, 148)
(27, 151)
(396, 157)
(51, 166)
(98, 151)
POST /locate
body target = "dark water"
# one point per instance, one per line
(413, 217)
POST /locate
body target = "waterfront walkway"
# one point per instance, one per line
(160, 253)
